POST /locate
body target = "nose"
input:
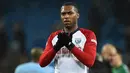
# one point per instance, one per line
(66, 16)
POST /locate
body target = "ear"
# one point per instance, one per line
(78, 15)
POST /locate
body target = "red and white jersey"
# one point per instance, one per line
(79, 59)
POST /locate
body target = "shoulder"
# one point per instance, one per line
(20, 67)
(53, 34)
(125, 66)
(86, 31)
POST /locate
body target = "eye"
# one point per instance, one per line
(70, 13)
(63, 13)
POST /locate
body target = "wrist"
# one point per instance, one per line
(70, 46)
(57, 47)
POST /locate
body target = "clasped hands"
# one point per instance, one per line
(64, 39)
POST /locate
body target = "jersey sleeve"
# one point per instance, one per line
(48, 54)
(88, 55)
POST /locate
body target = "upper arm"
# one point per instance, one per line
(49, 43)
(91, 43)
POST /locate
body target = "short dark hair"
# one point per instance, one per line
(36, 53)
(72, 4)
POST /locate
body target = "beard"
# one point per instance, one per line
(69, 25)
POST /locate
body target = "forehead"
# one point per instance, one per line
(109, 49)
(68, 8)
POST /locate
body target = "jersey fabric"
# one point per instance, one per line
(32, 67)
(122, 69)
(78, 60)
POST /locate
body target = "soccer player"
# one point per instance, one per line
(73, 48)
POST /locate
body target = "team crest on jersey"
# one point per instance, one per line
(77, 40)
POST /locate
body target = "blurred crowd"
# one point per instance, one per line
(109, 61)
(14, 57)
(11, 49)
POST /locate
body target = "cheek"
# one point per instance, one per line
(74, 19)
(105, 55)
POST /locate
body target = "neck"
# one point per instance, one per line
(36, 61)
(69, 30)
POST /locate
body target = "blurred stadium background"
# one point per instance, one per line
(109, 19)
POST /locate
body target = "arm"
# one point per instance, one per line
(88, 55)
(48, 53)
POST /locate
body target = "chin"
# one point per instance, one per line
(67, 25)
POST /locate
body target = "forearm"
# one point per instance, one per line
(87, 58)
(46, 57)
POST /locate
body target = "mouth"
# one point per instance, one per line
(66, 21)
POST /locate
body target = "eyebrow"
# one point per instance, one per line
(67, 11)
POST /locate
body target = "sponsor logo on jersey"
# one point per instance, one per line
(77, 40)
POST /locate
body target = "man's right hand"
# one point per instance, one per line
(59, 43)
